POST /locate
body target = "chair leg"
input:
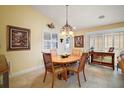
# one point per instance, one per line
(84, 75)
(78, 79)
(45, 76)
(53, 77)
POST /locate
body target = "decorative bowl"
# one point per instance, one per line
(64, 56)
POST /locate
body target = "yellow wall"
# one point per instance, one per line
(26, 17)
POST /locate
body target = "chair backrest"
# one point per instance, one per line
(48, 62)
(82, 61)
(3, 64)
(111, 49)
(53, 52)
(76, 52)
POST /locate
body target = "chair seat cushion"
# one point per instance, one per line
(59, 69)
(57, 66)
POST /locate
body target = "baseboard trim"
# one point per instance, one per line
(25, 71)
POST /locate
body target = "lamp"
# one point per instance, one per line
(67, 29)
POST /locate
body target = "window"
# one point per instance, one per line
(122, 40)
(47, 40)
(91, 39)
(108, 41)
(54, 41)
(68, 45)
(50, 41)
(116, 40)
(102, 41)
(119, 40)
(98, 42)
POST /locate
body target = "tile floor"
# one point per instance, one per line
(97, 77)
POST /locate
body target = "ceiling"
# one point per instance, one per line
(83, 16)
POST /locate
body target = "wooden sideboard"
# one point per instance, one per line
(93, 55)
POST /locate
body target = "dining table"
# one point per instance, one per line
(65, 61)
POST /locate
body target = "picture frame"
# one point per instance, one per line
(18, 38)
(79, 41)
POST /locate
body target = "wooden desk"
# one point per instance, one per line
(102, 54)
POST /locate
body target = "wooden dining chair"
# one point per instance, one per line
(79, 68)
(49, 67)
(76, 52)
(120, 63)
(54, 53)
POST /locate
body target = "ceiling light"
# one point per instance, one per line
(67, 29)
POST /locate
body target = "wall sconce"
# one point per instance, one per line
(51, 25)
(61, 40)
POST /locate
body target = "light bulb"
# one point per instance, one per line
(71, 33)
(63, 33)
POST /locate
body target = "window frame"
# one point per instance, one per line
(51, 40)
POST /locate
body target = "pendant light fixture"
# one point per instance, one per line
(67, 29)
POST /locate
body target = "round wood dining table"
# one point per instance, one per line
(64, 61)
(69, 59)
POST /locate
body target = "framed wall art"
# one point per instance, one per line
(18, 38)
(79, 41)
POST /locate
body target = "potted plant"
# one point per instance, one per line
(92, 49)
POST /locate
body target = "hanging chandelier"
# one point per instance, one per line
(67, 29)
